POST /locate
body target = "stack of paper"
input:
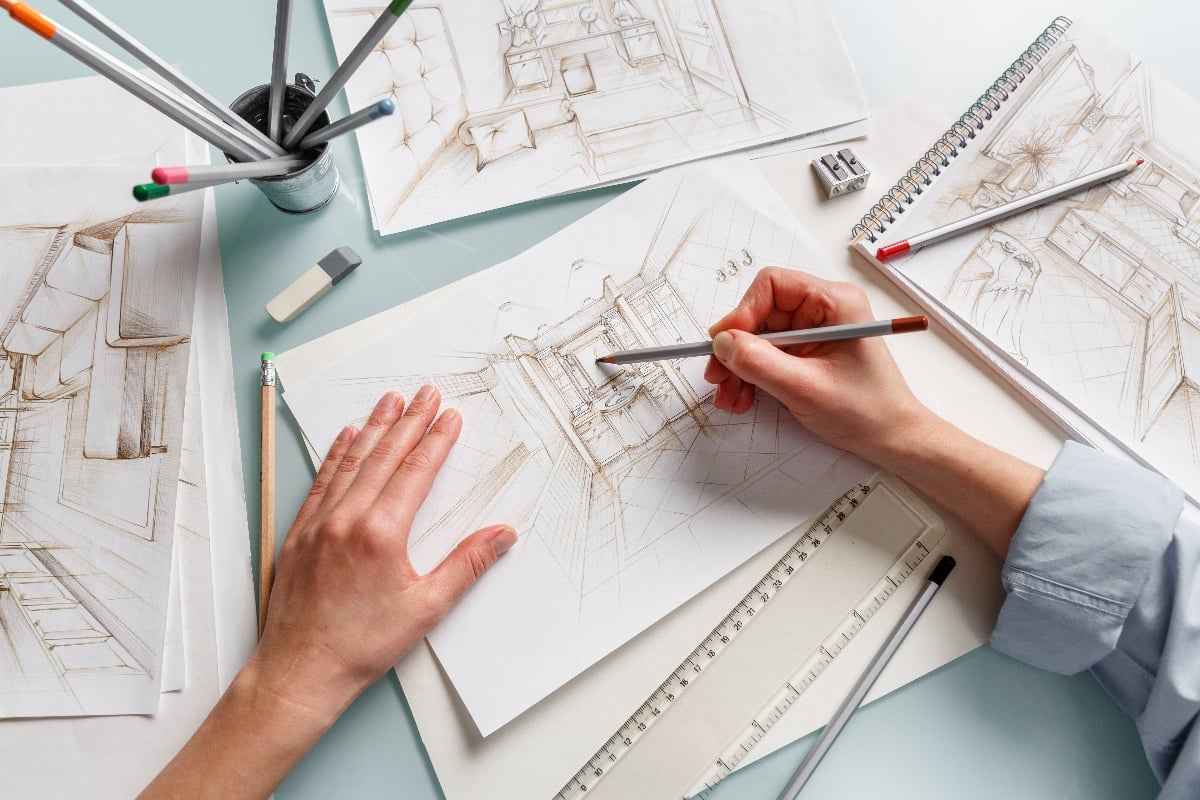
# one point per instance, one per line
(124, 565)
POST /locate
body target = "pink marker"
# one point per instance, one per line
(223, 173)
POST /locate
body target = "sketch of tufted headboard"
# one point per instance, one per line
(417, 68)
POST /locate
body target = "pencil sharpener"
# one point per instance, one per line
(840, 172)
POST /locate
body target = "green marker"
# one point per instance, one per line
(353, 61)
(152, 191)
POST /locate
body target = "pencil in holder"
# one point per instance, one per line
(312, 186)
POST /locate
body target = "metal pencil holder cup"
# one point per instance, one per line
(312, 186)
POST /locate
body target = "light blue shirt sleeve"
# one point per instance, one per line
(1104, 574)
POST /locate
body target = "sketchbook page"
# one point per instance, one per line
(626, 481)
(504, 101)
(93, 356)
(233, 583)
(115, 757)
(1095, 295)
(41, 126)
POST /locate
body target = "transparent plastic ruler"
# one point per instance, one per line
(711, 711)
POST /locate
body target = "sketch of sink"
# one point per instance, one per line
(619, 397)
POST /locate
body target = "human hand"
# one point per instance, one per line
(849, 393)
(347, 603)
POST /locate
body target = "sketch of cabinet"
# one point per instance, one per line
(528, 69)
(641, 43)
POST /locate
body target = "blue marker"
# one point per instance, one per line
(348, 123)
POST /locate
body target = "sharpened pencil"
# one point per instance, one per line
(217, 173)
(347, 123)
(342, 74)
(249, 136)
(216, 134)
(1005, 210)
(266, 540)
(829, 333)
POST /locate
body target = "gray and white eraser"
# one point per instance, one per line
(339, 263)
(315, 282)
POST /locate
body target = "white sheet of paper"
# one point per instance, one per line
(530, 757)
(625, 482)
(1092, 296)
(503, 101)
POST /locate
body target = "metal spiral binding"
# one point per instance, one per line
(957, 136)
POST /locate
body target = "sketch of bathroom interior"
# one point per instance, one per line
(606, 464)
(1109, 278)
(551, 93)
(94, 323)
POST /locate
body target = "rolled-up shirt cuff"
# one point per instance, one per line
(1090, 538)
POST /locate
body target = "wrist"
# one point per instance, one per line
(915, 435)
(293, 693)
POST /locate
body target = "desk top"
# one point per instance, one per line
(984, 726)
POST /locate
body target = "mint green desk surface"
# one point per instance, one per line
(984, 726)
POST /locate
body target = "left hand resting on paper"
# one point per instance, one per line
(346, 605)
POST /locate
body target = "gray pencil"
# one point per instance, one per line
(353, 61)
(347, 123)
(123, 75)
(809, 765)
(829, 333)
(247, 134)
(267, 168)
(283, 28)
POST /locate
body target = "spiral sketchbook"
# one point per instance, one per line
(1089, 305)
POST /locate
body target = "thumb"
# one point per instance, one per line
(758, 362)
(469, 560)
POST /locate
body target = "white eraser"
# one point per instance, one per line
(305, 290)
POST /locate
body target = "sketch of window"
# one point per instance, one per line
(631, 492)
(93, 369)
(1095, 293)
(501, 101)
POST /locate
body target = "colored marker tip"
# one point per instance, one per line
(168, 175)
(6, 5)
(149, 191)
(1140, 161)
(385, 108)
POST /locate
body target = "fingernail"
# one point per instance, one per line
(722, 344)
(451, 415)
(347, 433)
(425, 393)
(503, 540)
(388, 402)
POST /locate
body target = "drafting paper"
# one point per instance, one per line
(94, 361)
(1094, 297)
(530, 757)
(626, 485)
(503, 101)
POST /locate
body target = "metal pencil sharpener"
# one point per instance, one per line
(840, 172)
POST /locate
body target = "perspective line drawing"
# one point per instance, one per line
(501, 101)
(94, 330)
(625, 482)
(1097, 294)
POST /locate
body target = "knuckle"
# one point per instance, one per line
(337, 526)
(420, 461)
(350, 463)
(479, 560)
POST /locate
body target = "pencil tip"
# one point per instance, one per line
(606, 360)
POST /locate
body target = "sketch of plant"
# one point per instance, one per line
(1098, 294)
(93, 367)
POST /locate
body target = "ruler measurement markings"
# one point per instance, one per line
(627, 735)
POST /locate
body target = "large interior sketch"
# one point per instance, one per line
(1098, 294)
(630, 491)
(94, 325)
(502, 100)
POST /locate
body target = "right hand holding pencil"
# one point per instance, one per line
(849, 393)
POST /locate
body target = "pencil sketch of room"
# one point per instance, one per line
(1111, 277)
(94, 322)
(547, 93)
(605, 465)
